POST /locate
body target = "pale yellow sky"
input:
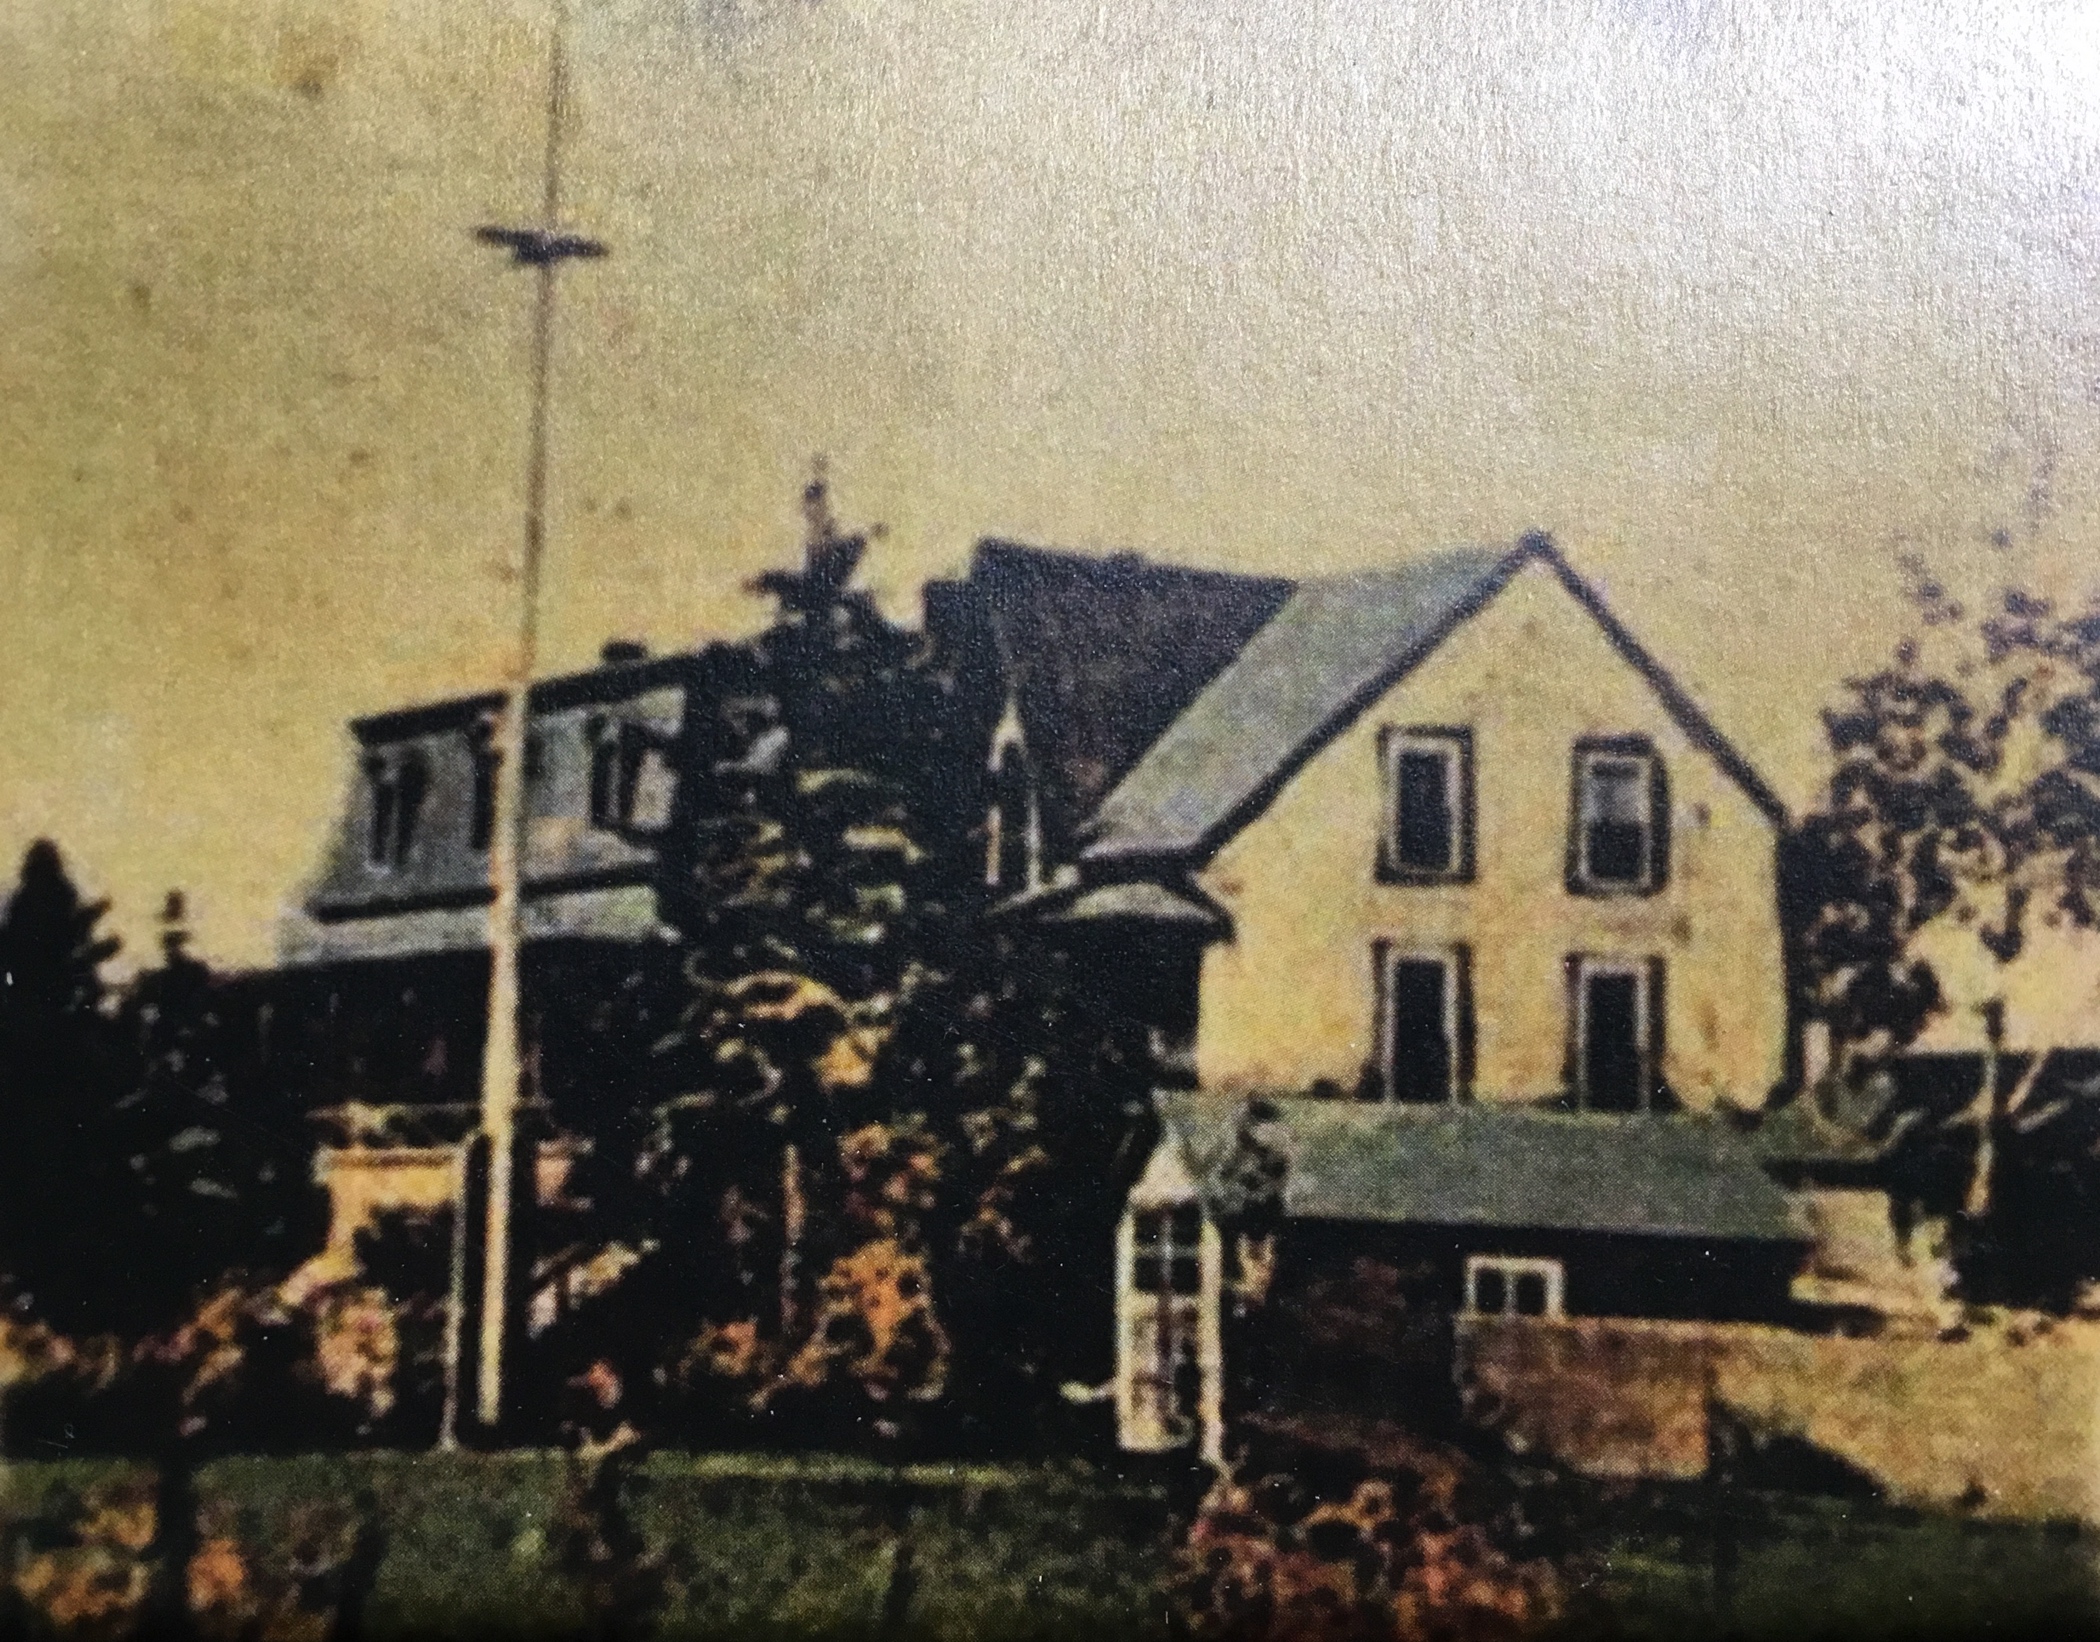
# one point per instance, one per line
(1739, 299)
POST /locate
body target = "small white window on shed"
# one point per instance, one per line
(1500, 1285)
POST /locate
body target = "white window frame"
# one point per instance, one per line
(1641, 969)
(1391, 956)
(1509, 1268)
(1158, 1330)
(1644, 761)
(1453, 747)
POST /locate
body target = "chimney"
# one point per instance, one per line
(622, 653)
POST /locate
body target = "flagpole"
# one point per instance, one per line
(544, 249)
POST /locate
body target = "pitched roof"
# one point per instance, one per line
(1101, 654)
(1333, 649)
(1178, 905)
(1497, 1165)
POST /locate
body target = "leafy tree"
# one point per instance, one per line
(1966, 792)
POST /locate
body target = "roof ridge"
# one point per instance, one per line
(1315, 666)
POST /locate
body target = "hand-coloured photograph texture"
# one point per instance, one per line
(892, 819)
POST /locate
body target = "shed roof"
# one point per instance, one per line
(1492, 1164)
(1330, 652)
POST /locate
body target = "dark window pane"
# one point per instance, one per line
(1421, 1037)
(1530, 1294)
(1426, 831)
(1149, 1228)
(1611, 1050)
(605, 776)
(379, 840)
(1187, 1225)
(481, 819)
(414, 778)
(1618, 852)
(1149, 1276)
(1186, 1276)
(1615, 821)
(1490, 1292)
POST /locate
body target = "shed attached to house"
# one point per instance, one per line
(1259, 1220)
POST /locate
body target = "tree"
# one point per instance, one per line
(884, 1167)
(808, 877)
(1966, 792)
(61, 1068)
(211, 1180)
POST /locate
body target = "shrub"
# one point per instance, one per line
(1397, 1540)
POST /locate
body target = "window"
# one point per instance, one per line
(616, 765)
(487, 759)
(1425, 1023)
(1616, 1035)
(396, 782)
(1168, 1250)
(1013, 825)
(1619, 838)
(1501, 1286)
(1167, 1330)
(1428, 782)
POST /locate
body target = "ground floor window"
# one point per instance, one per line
(1503, 1286)
(1167, 1350)
(1425, 1024)
(1616, 1026)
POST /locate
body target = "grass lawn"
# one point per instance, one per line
(759, 1546)
(808, 1547)
(1808, 1567)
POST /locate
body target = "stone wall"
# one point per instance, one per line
(2005, 1422)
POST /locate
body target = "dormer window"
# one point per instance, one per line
(1619, 838)
(1428, 781)
(396, 782)
(631, 780)
(487, 760)
(615, 762)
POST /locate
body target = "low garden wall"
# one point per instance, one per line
(2005, 1422)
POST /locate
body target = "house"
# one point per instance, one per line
(1448, 840)
(378, 998)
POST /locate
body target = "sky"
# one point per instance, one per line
(1742, 301)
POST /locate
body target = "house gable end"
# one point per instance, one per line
(1312, 672)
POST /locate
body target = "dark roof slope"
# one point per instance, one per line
(1101, 654)
(1336, 645)
(1333, 649)
(1508, 1166)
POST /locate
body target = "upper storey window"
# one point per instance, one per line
(1428, 831)
(615, 763)
(395, 783)
(630, 778)
(1619, 840)
(486, 759)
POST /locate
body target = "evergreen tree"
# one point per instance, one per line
(61, 1068)
(212, 1183)
(894, 1140)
